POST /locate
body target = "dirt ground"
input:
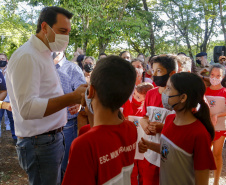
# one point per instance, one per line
(12, 174)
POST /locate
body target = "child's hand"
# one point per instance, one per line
(144, 122)
(74, 109)
(155, 127)
(143, 145)
(214, 119)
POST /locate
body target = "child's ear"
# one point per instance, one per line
(91, 92)
(184, 98)
(172, 72)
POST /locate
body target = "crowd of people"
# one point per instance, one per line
(118, 120)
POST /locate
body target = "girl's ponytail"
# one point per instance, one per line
(203, 114)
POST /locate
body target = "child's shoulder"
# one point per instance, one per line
(154, 91)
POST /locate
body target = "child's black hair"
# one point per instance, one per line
(193, 86)
(114, 80)
(167, 61)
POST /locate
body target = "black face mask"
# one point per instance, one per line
(198, 61)
(3, 63)
(161, 80)
(88, 68)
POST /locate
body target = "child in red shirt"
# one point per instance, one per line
(186, 157)
(137, 106)
(105, 154)
(216, 94)
(163, 67)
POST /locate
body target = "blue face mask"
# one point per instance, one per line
(88, 101)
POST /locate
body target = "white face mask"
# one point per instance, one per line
(60, 44)
(139, 71)
(88, 101)
(214, 81)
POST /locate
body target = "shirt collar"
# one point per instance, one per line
(62, 61)
(38, 44)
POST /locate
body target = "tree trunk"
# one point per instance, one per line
(152, 35)
(102, 45)
(222, 22)
(188, 45)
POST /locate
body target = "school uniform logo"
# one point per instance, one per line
(164, 152)
(158, 116)
(212, 103)
(136, 122)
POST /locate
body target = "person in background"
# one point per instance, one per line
(201, 60)
(141, 57)
(102, 55)
(222, 60)
(8, 117)
(88, 66)
(184, 63)
(71, 77)
(37, 98)
(78, 52)
(125, 55)
(79, 60)
(213, 93)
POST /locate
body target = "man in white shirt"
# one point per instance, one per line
(37, 99)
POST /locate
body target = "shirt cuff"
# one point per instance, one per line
(38, 108)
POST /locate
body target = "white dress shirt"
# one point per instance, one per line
(32, 80)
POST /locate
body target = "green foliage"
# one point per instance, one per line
(103, 25)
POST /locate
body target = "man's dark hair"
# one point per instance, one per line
(4, 55)
(113, 78)
(49, 14)
(120, 54)
(167, 61)
(102, 54)
(181, 53)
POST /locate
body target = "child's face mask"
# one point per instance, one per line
(214, 81)
(88, 101)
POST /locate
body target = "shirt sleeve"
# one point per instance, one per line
(2, 82)
(78, 77)
(80, 168)
(203, 156)
(25, 77)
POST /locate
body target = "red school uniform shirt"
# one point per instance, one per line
(217, 103)
(104, 155)
(127, 109)
(221, 92)
(152, 98)
(184, 149)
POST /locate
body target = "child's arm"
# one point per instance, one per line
(215, 116)
(202, 177)
(144, 145)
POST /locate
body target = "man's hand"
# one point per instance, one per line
(78, 93)
(155, 127)
(74, 109)
(144, 122)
